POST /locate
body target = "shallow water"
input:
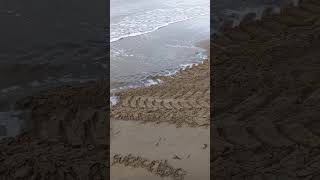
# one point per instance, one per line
(151, 37)
(11, 123)
(162, 37)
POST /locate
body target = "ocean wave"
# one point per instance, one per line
(148, 79)
(153, 20)
(11, 123)
(116, 52)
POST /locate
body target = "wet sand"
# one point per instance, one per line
(135, 59)
(266, 94)
(182, 99)
(166, 126)
(65, 135)
(49, 51)
(266, 97)
(185, 148)
(266, 125)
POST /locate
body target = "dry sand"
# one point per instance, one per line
(163, 130)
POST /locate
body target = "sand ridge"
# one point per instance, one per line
(265, 97)
(158, 118)
(158, 167)
(266, 101)
(181, 100)
(184, 149)
(65, 135)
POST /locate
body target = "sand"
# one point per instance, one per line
(184, 152)
(180, 100)
(265, 89)
(42, 43)
(167, 125)
(46, 43)
(65, 135)
(72, 118)
(265, 96)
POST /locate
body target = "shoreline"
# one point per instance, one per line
(136, 60)
(266, 115)
(154, 125)
(156, 79)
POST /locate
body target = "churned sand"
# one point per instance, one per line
(163, 130)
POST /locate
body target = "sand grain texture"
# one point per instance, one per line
(266, 97)
(164, 125)
(181, 100)
(265, 90)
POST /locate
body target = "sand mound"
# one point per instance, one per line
(181, 100)
(158, 146)
(266, 77)
(65, 135)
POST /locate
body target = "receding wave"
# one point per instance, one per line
(153, 20)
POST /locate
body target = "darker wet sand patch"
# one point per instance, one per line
(158, 167)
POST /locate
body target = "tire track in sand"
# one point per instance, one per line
(266, 97)
(184, 100)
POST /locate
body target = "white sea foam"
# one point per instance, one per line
(114, 100)
(9, 89)
(10, 123)
(151, 82)
(180, 46)
(187, 66)
(152, 20)
(238, 15)
(115, 52)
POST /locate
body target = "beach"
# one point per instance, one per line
(52, 55)
(154, 38)
(167, 125)
(265, 76)
(261, 75)
(160, 81)
(45, 45)
(265, 94)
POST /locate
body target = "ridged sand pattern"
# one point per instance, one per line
(182, 100)
(266, 97)
(158, 167)
(266, 101)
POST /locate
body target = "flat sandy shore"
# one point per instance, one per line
(266, 89)
(163, 131)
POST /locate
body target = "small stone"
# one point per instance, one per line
(204, 146)
(176, 157)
